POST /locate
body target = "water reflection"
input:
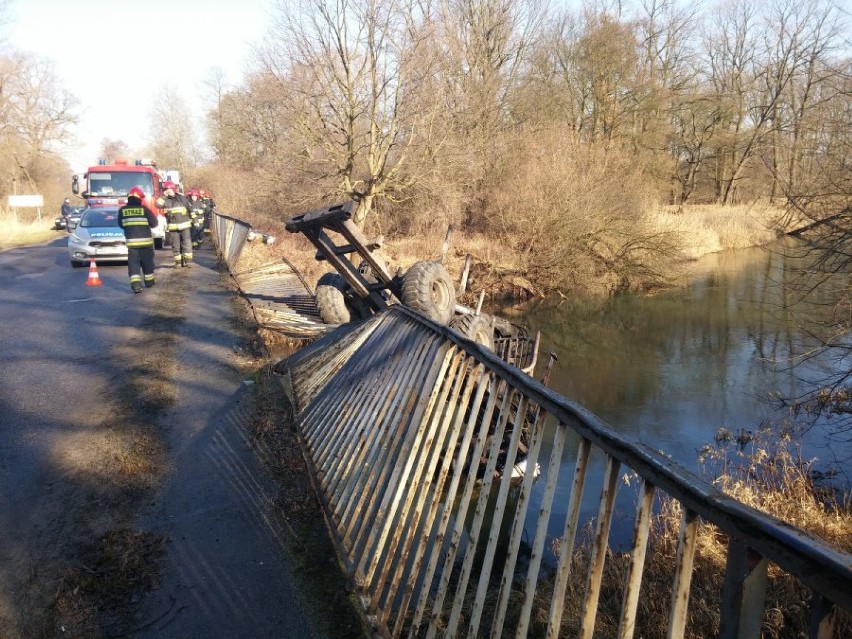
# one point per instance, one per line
(672, 369)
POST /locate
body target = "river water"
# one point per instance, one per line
(671, 369)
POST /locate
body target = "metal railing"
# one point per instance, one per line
(280, 298)
(229, 235)
(413, 435)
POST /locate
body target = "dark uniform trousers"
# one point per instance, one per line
(181, 240)
(140, 263)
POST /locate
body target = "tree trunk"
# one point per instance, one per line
(365, 205)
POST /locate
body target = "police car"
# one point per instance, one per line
(97, 235)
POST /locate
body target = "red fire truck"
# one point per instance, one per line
(108, 184)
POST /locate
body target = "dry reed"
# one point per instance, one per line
(704, 229)
(764, 470)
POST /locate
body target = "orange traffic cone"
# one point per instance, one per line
(94, 279)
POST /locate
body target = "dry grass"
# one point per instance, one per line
(112, 572)
(501, 270)
(766, 471)
(14, 233)
(703, 229)
(763, 470)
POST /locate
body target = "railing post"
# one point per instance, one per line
(599, 550)
(563, 569)
(743, 593)
(822, 617)
(465, 274)
(641, 531)
(446, 246)
(683, 574)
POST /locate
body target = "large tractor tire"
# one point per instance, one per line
(331, 299)
(476, 327)
(427, 287)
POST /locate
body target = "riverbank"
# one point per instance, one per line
(506, 273)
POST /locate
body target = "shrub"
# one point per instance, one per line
(574, 213)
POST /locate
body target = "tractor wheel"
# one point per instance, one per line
(476, 327)
(331, 299)
(427, 287)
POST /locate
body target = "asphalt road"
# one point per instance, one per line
(72, 358)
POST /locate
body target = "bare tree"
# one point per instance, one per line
(173, 137)
(113, 149)
(40, 110)
(695, 120)
(666, 91)
(36, 116)
(484, 48)
(607, 64)
(254, 127)
(485, 44)
(216, 91)
(731, 51)
(815, 29)
(763, 66)
(349, 70)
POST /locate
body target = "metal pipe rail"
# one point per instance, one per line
(411, 431)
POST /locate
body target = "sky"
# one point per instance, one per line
(115, 56)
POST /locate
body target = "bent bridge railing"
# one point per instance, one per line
(280, 298)
(410, 431)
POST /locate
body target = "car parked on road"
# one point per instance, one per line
(98, 236)
(62, 221)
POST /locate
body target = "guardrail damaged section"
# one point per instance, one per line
(426, 449)
(280, 298)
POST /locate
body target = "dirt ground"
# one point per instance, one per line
(191, 513)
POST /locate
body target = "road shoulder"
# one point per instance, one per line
(247, 553)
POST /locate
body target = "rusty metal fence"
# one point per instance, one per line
(413, 434)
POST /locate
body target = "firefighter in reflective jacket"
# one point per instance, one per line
(208, 213)
(137, 220)
(197, 211)
(177, 210)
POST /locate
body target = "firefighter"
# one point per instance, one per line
(208, 212)
(137, 220)
(197, 212)
(176, 208)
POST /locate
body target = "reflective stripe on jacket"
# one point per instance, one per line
(197, 210)
(177, 211)
(137, 220)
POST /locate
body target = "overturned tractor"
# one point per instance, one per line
(365, 285)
